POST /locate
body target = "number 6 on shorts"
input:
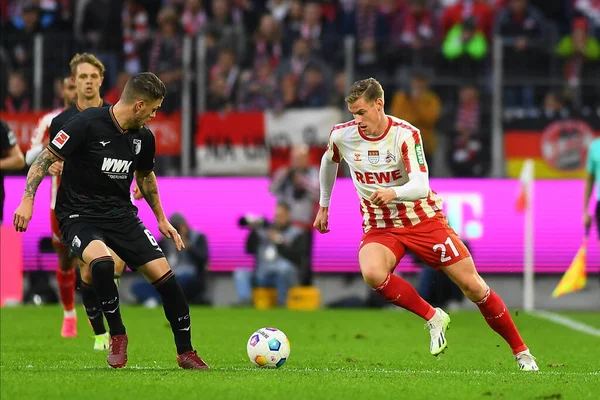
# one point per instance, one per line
(442, 248)
(153, 241)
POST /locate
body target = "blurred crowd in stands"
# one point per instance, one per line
(434, 57)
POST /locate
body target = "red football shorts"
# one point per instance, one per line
(56, 235)
(433, 241)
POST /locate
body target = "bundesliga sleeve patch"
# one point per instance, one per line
(420, 156)
(60, 139)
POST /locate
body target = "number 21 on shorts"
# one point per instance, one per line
(442, 248)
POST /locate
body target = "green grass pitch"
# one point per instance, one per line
(335, 354)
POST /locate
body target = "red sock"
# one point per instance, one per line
(498, 318)
(66, 288)
(401, 293)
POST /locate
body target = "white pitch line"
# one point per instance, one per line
(333, 370)
(568, 322)
(370, 371)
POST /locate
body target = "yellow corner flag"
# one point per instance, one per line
(576, 277)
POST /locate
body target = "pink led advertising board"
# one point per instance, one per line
(482, 211)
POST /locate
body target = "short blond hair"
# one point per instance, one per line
(85, 58)
(369, 89)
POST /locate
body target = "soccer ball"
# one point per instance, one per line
(268, 348)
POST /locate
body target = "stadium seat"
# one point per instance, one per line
(264, 298)
(304, 298)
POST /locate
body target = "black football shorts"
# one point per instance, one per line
(127, 237)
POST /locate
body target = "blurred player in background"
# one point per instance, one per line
(11, 158)
(65, 273)
(400, 212)
(104, 149)
(39, 140)
(592, 177)
(81, 90)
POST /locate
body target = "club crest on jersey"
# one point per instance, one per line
(60, 139)
(137, 146)
(390, 157)
(356, 156)
(373, 156)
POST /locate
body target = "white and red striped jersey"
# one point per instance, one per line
(39, 140)
(384, 162)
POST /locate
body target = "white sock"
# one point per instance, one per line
(435, 314)
(71, 313)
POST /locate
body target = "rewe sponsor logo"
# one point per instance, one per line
(371, 178)
(116, 166)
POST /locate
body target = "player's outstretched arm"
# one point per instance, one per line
(38, 171)
(416, 188)
(14, 159)
(35, 176)
(33, 153)
(146, 181)
(327, 175)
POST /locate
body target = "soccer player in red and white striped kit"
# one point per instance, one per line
(388, 167)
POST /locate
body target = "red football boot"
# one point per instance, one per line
(190, 360)
(117, 351)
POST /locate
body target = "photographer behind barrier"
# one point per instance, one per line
(279, 247)
(298, 186)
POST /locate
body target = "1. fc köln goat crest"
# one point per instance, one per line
(137, 146)
(373, 156)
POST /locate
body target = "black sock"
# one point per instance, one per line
(103, 269)
(93, 308)
(176, 309)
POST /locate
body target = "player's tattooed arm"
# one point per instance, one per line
(38, 171)
(146, 181)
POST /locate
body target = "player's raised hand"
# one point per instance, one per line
(382, 197)
(169, 231)
(23, 215)
(56, 168)
(322, 220)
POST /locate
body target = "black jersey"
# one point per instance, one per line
(62, 118)
(100, 158)
(7, 142)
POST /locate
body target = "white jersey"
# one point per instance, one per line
(383, 162)
(39, 140)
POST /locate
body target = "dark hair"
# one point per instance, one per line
(144, 86)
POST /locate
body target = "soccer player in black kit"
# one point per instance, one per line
(103, 150)
(11, 158)
(87, 72)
